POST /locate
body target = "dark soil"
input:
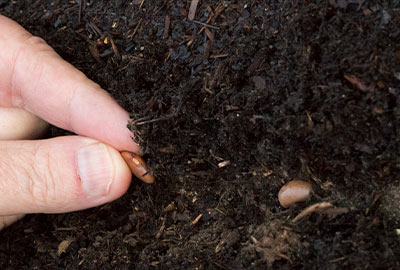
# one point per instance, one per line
(273, 90)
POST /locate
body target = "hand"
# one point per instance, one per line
(59, 174)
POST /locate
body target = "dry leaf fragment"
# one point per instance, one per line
(63, 246)
(95, 53)
(192, 9)
(115, 49)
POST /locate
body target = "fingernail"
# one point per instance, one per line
(95, 169)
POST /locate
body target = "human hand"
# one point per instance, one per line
(60, 174)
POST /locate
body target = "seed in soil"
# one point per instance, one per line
(293, 192)
(138, 167)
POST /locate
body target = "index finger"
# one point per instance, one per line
(35, 78)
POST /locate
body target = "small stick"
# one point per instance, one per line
(141, 122)
(80, 11)
(114, 47)
(141, 4)
(206, 24)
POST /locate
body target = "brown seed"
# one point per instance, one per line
(293, 192)
(138, 167)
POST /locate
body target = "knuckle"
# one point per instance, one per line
(27, 66)
(35, 41)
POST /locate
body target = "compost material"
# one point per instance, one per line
(231, 100)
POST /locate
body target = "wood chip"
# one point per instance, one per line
(166, 27)
(209, 34)
(161, 230)
(196, 220)
(207, 49)
(170, 207)
(167, 149)
(224, 164)
(192, 9)
(378, 110)
(259, 82)
(356, 82)
(184, 12)
(257, 61)
(214, 56)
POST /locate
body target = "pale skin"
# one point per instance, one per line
(60, 174)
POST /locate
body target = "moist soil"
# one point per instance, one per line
(229, 106)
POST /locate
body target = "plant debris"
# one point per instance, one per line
(230, 100)
(325, 208)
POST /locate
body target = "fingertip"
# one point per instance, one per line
(103, 174)
(123, 175)
(60, 175)
(105, 119)
(7, 220)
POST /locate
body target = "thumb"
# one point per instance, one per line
(59, 175)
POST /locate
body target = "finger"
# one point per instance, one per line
(17, 124)
(59, 175)
(7, 220)
(35, 78)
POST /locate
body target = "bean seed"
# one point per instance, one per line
(138, 167)
(293, 192)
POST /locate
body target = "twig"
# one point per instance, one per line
(114, 48)
(140, 122)
(141, 4)
(95, 29)
(206, 24)
(80, 11)
(147, 120)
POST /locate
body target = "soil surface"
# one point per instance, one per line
(229, 106)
